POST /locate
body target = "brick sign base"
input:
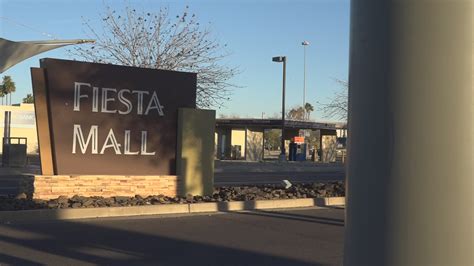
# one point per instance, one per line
(51, 187)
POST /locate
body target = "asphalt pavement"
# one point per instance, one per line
(227, 173)
(281, 237)
(256, 178)
(273, 172)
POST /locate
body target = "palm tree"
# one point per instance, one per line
(308, 108)
(2, 93)
(8, 87)
(29, 98)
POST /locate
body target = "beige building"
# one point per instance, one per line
(239, 143)
(23, 124)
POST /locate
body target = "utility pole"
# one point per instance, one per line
(304, 43)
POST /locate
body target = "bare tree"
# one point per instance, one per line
(155, 40)
(337, 106)
(296, 113)
(230, 116)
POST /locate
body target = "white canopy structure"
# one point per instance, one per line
(11, 53)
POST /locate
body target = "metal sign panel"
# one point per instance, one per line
(109, 119)
(299, 140)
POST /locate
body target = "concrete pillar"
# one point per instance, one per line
(410, 179)
(254, 145)
(195, 151)
(328, 148)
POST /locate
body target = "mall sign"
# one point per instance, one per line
(109, 119)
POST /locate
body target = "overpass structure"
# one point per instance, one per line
(245, 138)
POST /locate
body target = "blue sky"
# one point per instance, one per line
(254, 32)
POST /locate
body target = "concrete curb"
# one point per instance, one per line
(207, 207)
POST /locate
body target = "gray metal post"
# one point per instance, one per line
(410, 181)
(6, 124)
(283, 152)
(304, 77)
(281, 59)
(304, 43)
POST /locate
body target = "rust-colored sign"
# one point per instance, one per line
(109, 119)
(299, 140)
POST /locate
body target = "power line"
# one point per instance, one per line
(28, 27)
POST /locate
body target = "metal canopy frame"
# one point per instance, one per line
(12, 53)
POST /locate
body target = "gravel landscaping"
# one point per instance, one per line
(234, 193)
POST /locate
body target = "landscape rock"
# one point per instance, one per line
(88, 202)
(63, 200)
(121, 199)
(21, 196)
(225, 193)
(189, 198)
(53, 204)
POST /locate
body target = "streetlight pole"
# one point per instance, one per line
(282, 59)
(304, 43)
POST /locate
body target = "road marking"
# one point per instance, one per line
(287, 184)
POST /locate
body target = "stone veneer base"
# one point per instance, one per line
(51, 187)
